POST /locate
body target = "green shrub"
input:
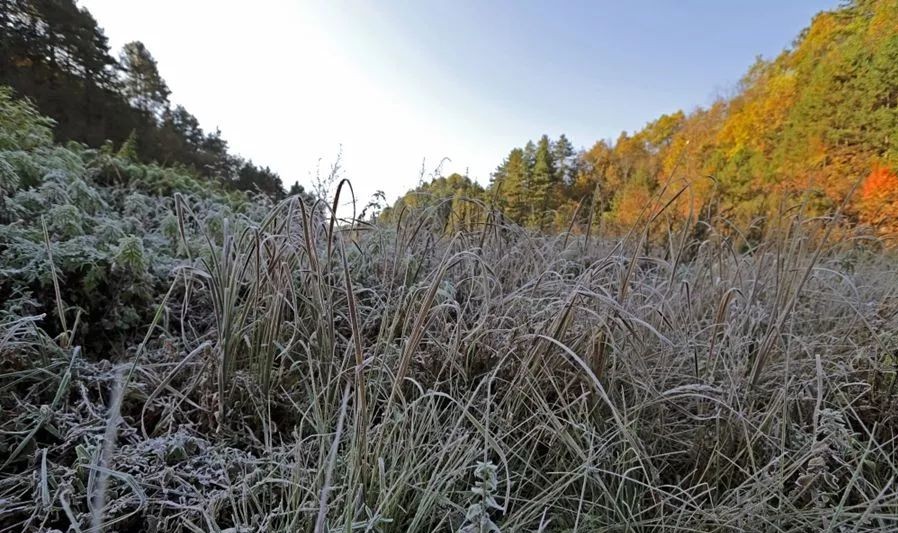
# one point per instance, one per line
(21, 126)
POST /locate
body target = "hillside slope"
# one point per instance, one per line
(802, 128)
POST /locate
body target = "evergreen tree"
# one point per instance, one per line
(256, 179)
(186, 125)
(142, 84)
(514, 185)
(529, 156)
(55, 53)
(543, 181)
(565, 160)
(58, 33)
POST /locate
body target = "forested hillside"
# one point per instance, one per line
(54, 53)
(803, 127)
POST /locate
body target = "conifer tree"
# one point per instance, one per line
(542, 183)
(565, 160)
(514, 185)
(142, 84)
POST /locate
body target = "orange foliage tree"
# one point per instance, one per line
(878, 200)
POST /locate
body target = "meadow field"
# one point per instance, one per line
(662, 313)
(176, 357)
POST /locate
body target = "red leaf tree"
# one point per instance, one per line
(878, 200)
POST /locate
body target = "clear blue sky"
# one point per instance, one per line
(395, 83)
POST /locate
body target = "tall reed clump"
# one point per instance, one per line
(246, 274)
(314, 375)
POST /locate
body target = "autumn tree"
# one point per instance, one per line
(454, 202)
(878, 200)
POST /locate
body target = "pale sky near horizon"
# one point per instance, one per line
(395, 84)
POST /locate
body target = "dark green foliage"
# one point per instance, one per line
(141, 82)
(531, 182)
(565, 159)
(54, 52)
(542, 183)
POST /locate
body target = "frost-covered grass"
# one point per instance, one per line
(191, 360)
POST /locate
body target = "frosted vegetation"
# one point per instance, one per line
(177, 357)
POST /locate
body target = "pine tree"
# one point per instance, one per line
(142, 83)
(565, 160)
(187, 126)
(529, 155)
(513, 185)
(543, 182)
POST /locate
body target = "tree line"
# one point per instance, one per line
(806, 125)
(803, 128)
(55, 53)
